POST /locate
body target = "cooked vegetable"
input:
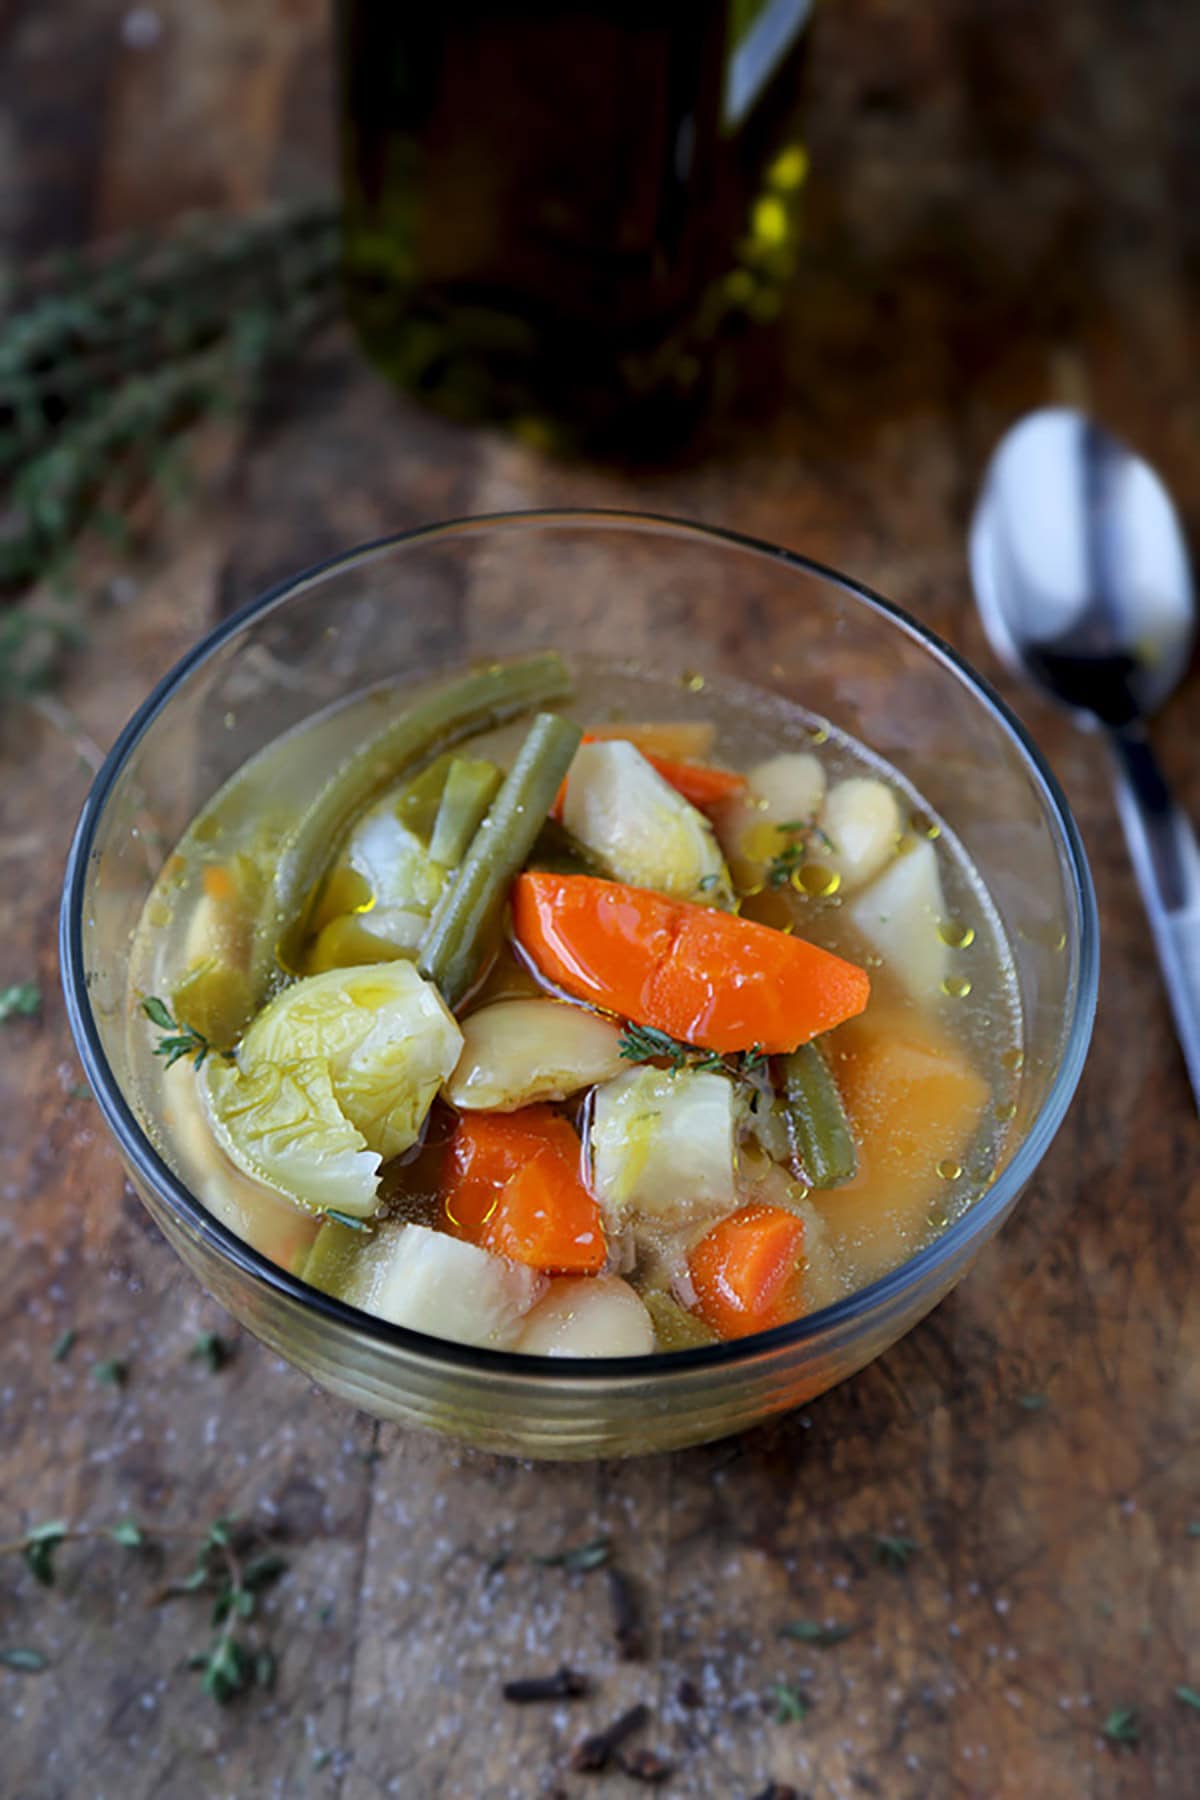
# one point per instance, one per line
(700, 783)
(429, 1282)
(596, 1316)
(748, 1271)
(663, 1145)
(470, 789)
(820, 1132)
(214, 994)
(914, 1103)
(465, 927)
(444, 717)
(623, 811)
(337, 1073)
(520, 1051)
(383, 934)
(674, 1327)
(558, 852)
(899, 915)
(783, 796)
(512, 1183)
(861, 823)
(705, 977)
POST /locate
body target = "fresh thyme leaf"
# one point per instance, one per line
(341, 1218)
(754, 1060)
(30, 1661)
(1033, 1402)
(260, 1571)
(79, 1090)
(321, 1759)
(1121, 1727)
(128, 1534)
(706, 882)
(219, 1533)
(790, 1704)
(211, 1349)
(894, 1552)
(803, 833)
(591, 1555)
(264, 1669)
(228, 1668)
(1189, 1696)
(41, 1541)
(63, 1344)
(645, 1043)
(181, 1039)
(811, 1631)
(21, 1001)
(1193, 1529)
(112, 1372)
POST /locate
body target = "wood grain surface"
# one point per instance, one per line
(1005, 209)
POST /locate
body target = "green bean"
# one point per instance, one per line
(444, 717)
(674, 1327)
(418, 801)
(816, 1120)
(469, 791)
(465, 925)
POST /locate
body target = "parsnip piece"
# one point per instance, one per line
(520, 1051)
(899, 915)
(785, 790)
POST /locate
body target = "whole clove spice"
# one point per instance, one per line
(564, 1684)
(626, 1615)
(646, 1765)
(778, 1790)
(688, 1694)
(596, 1752)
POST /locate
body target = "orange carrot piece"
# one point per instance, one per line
(511, 1183)
(705, 977)
(748, 1270)
(698, 782)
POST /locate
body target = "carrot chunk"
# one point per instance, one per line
(748, 1271)
(511, 1183)
(706, 977)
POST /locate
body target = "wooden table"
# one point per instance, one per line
(1005, 210)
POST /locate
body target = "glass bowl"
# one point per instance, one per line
(661, 594)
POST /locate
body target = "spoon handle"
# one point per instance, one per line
(1166, 860)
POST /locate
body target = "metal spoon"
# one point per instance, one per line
(1082, 579)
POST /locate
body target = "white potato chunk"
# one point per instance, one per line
(662, 1145)
(784, 790)
(516, 1052)
(861, 819)
(588, 1315)
(430, 1282)
(644, 832)
(899, 915)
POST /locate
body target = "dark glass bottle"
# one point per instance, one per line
(555, 209)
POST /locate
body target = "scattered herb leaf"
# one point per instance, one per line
(811, 1631)
(262, 1570)
(341, 1218)
(1032, 1402)
(644, 1043)
(213, 1350)
(38, 1549)
(322, 1759)
(128, 1533)
(63, 1344)
(181, 1040)
(706, 882)
(112, 1372)
(803, 833)
(1189, 1696)
(790, 1705)
(580, 1556)
(30, 1661)
(21, 1001)
(1193, 1529)
(894, 1552)
(1121, 1727)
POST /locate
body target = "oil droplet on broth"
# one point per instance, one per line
(692, 681)
(818, 734)
(816, 881)
(956, 935)
(924, 826)
(1007, 1112)
(948, 1169)
(1013, 1059)
(957, 986)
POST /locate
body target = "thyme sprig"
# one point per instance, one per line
(179, 1039)
(643, 1043)
(222, 1571)
(802, 834)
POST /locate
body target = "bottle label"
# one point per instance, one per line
(761, 32)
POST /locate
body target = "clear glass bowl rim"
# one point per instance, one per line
(921, 1270)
